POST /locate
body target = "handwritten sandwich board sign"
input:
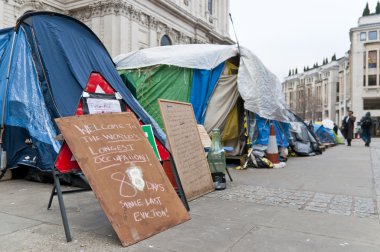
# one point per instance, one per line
(186, 147)
(126, 177)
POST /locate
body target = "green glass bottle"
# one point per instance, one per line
(216, 155)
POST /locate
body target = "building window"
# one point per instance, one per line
(363, 36)
(364, 80)
(209, 6)
(372, 35)
(371, 104)
(364, 60)
(372, 80)
(372, 59)
(165, 41)
(337, 92)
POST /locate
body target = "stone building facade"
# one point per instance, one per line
(365, 68)
(126, 25)
(353, 82)
(319, 93)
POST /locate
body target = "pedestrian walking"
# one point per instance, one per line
(348, 125)
(335, 129)
(366, 126)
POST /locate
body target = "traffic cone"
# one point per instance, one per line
(272, 151)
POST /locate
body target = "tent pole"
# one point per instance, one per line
(233, 26)
(5, 95)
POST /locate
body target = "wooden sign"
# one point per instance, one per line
(124, 174)
(186, 147)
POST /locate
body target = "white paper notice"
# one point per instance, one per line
(98, 106)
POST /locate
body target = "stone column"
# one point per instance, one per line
(133, 39)
(153, 38)
(124, 34)
(110, 34)
(2, 25)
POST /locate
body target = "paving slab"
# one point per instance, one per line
(10, 223)
(339, 170)
(274, 240)
(314, 204)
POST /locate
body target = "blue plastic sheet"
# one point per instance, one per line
(325, 135)
(203, 85)
(6, 37)
(25, 107)
(263, 127)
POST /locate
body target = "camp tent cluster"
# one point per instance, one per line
(229, 89)
(47, 68)
(50, 62)
(224, 83)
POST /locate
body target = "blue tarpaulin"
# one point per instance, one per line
(25, 107)
(325, 135)
(202, 87)
(6, 38)
(263, 128)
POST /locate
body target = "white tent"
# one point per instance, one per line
(259, 88)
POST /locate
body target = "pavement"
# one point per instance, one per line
(324, 203)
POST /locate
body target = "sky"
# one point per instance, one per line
(295, 33)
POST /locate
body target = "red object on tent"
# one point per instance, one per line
(66, 163)
(96, 83)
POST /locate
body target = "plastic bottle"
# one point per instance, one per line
(217, 161)
(3, 161)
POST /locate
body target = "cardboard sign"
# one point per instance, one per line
(126, 177)
(98, 106)
(205, 138)
(186, 147)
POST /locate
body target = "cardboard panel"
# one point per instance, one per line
(205, 138)
(124, 174)
(186, 147)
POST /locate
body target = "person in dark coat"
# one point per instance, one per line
(348, 125)
(366, 126)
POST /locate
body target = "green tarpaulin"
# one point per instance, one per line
(163, 81)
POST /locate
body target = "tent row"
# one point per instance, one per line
(47, 60)
(225, 84)
(229, 89)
